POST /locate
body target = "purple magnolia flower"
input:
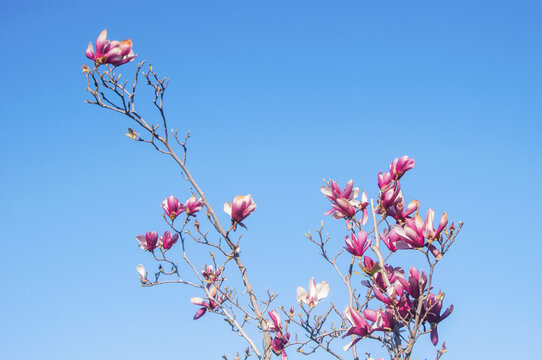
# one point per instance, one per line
(166, 241)
(278, 344)
(148, 242)
(401, 165)
(192, 206)
(343, 202)
(382, 319)
(315, 293)
(241, 207)
(110, 52)
(173, 207)
(417, 281)
(357, 245)
(433, 307)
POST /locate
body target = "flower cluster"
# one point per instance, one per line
(173, 207)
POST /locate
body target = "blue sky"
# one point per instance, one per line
(277, 96)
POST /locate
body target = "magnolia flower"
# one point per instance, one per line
(417, 281)
(431, 233)
(359, 326)
(192, 205)
(343, 202)
(382, 320)
(409, 235)
(399, 166)
(276, 323)
(369, 267)
(173, 207)
(210, 305)
(148, 241)
(142, 273)
(209, 273)
(433, 307)
(315, 293)
(357, 245)
(110, 52)
(241, 207)
(167, 241)
(390, 191)
(278, 344)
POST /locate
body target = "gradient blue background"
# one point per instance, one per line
(277, 96)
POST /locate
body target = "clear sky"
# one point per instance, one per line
(277, 95)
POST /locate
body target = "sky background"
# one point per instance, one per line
(277, 95)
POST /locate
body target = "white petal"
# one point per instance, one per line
(322, 290)
(301, 294)
(227, 208)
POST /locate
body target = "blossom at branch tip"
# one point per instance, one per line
(399, 166)
(110, 52)
(275, 324)
(142, 273)
(357, 245)
(433, 306)
(409, 235)
(343, 202)
(166, 241)
(148, 242)
(278, 344)
(192, 206)
(315, 293)
(241, 207)
(172, 207)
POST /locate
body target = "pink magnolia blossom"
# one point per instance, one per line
(276, 323)
(409, 235)
(278, 344)
(417, 281)
(369, 266)
(390, 191)
(357, 245)
(172, 207)
(192, 206)
(315, 293)
(110, 52)
(433, 307)
(210, 274)
(148, 242)
(401, 165)
(359, 326)
(166, 241)
(397, 209)
(241, 207)
(430, 232)
(343, 202)
(382, 319)
(212, 303)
